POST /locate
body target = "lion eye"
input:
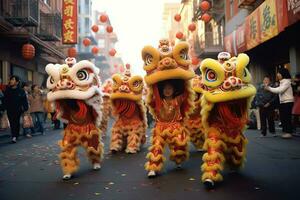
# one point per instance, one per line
(82, 75)
(183, 54)
(148, 59)
(136, 84)
(51, 80)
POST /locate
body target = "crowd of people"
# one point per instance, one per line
(23, 108)
(281, 99)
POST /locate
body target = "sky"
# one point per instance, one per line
(137, 23)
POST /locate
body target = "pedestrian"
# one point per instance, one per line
(27, 130)
(15, 103)
(265, 100)
(36, 101)
(296, 107)
(286, 99)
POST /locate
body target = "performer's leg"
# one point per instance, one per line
(69, 161)
(214, 158)
(134, 139)
(155, 156)
(179, 145)
(197, 138)
(237, 150)
(116, 141)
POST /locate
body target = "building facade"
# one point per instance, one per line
(37, 22)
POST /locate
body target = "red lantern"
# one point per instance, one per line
(86, 42)
(204, 5)
(195, 61)
(95, 50)
(127, 66)
(177, 17)
(112, 52)
(103, 18)
(72, 52)
(95, 28)
(28, 51)
(205, 17)
(109, 29)
(179, 35)
(192, 27)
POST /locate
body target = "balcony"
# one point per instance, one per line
(20, 12)
(50, 26)
(210, 44)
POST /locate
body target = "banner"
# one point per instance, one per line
(282, 18)
(228, 43)
(268, 20)
(253, 29)
(293, 8)
(240, 39)
(69, 22)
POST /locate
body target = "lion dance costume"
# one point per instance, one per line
(167, 65)
(225, 103)
(75, 89)
(129, 110)
(106, 105)
(193, 123)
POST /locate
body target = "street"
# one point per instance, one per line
(30, 170)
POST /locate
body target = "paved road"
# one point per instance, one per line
(30, 170)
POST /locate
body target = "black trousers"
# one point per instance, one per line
(285, 111)
(267, 114)
(14, 121)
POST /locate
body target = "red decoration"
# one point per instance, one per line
(112, 52)
(122, 68)
(72, 52)
(177, 17)
(28, 51)
(86, 42)
(195, 61)
(103, 18)
(95, 50)
(192, 27)
(109, 29)
(204, 5)
(115, 65)
(205, 17)
(179, 35)
(95, 28)
(127, 66)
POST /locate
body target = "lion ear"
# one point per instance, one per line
(180, 54)
(150, 57)
(117, 81)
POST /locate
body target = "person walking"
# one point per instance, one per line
(286, 99)
(266, 102)
(15, 103)
(36, 108)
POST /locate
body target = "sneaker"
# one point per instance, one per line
(96, 166)
(178, 166)
(286, 135)
(209, 184)
(67, 177)
(151, 174)
(28, 136)
(14, 140)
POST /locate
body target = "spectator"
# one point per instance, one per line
(296, 107)
(26, 131)
(37, 108)
(265, 101)
(286, 99)
(15, 103)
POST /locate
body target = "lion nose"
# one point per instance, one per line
(65, 84)
(167, 63)
(232, 83)
(124, 88)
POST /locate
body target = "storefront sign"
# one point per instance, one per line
(268, 20)
(253, 29)
(228, 43)
(282, 18)
(293, 8)
(69, 22)
(240, 39)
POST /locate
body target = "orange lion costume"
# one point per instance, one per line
(75, 89)
(167, 68)
(106, 105)
(129, 110)
(225, 103)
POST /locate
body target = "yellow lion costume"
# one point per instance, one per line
(170, 99)
(193, 123)
(75, 89)
(106, 105)
(225, 103)
(129, 110)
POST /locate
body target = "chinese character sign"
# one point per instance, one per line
(69, 29)
(240, 39)
(293, 8)
(253, 29)
(268, 20)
